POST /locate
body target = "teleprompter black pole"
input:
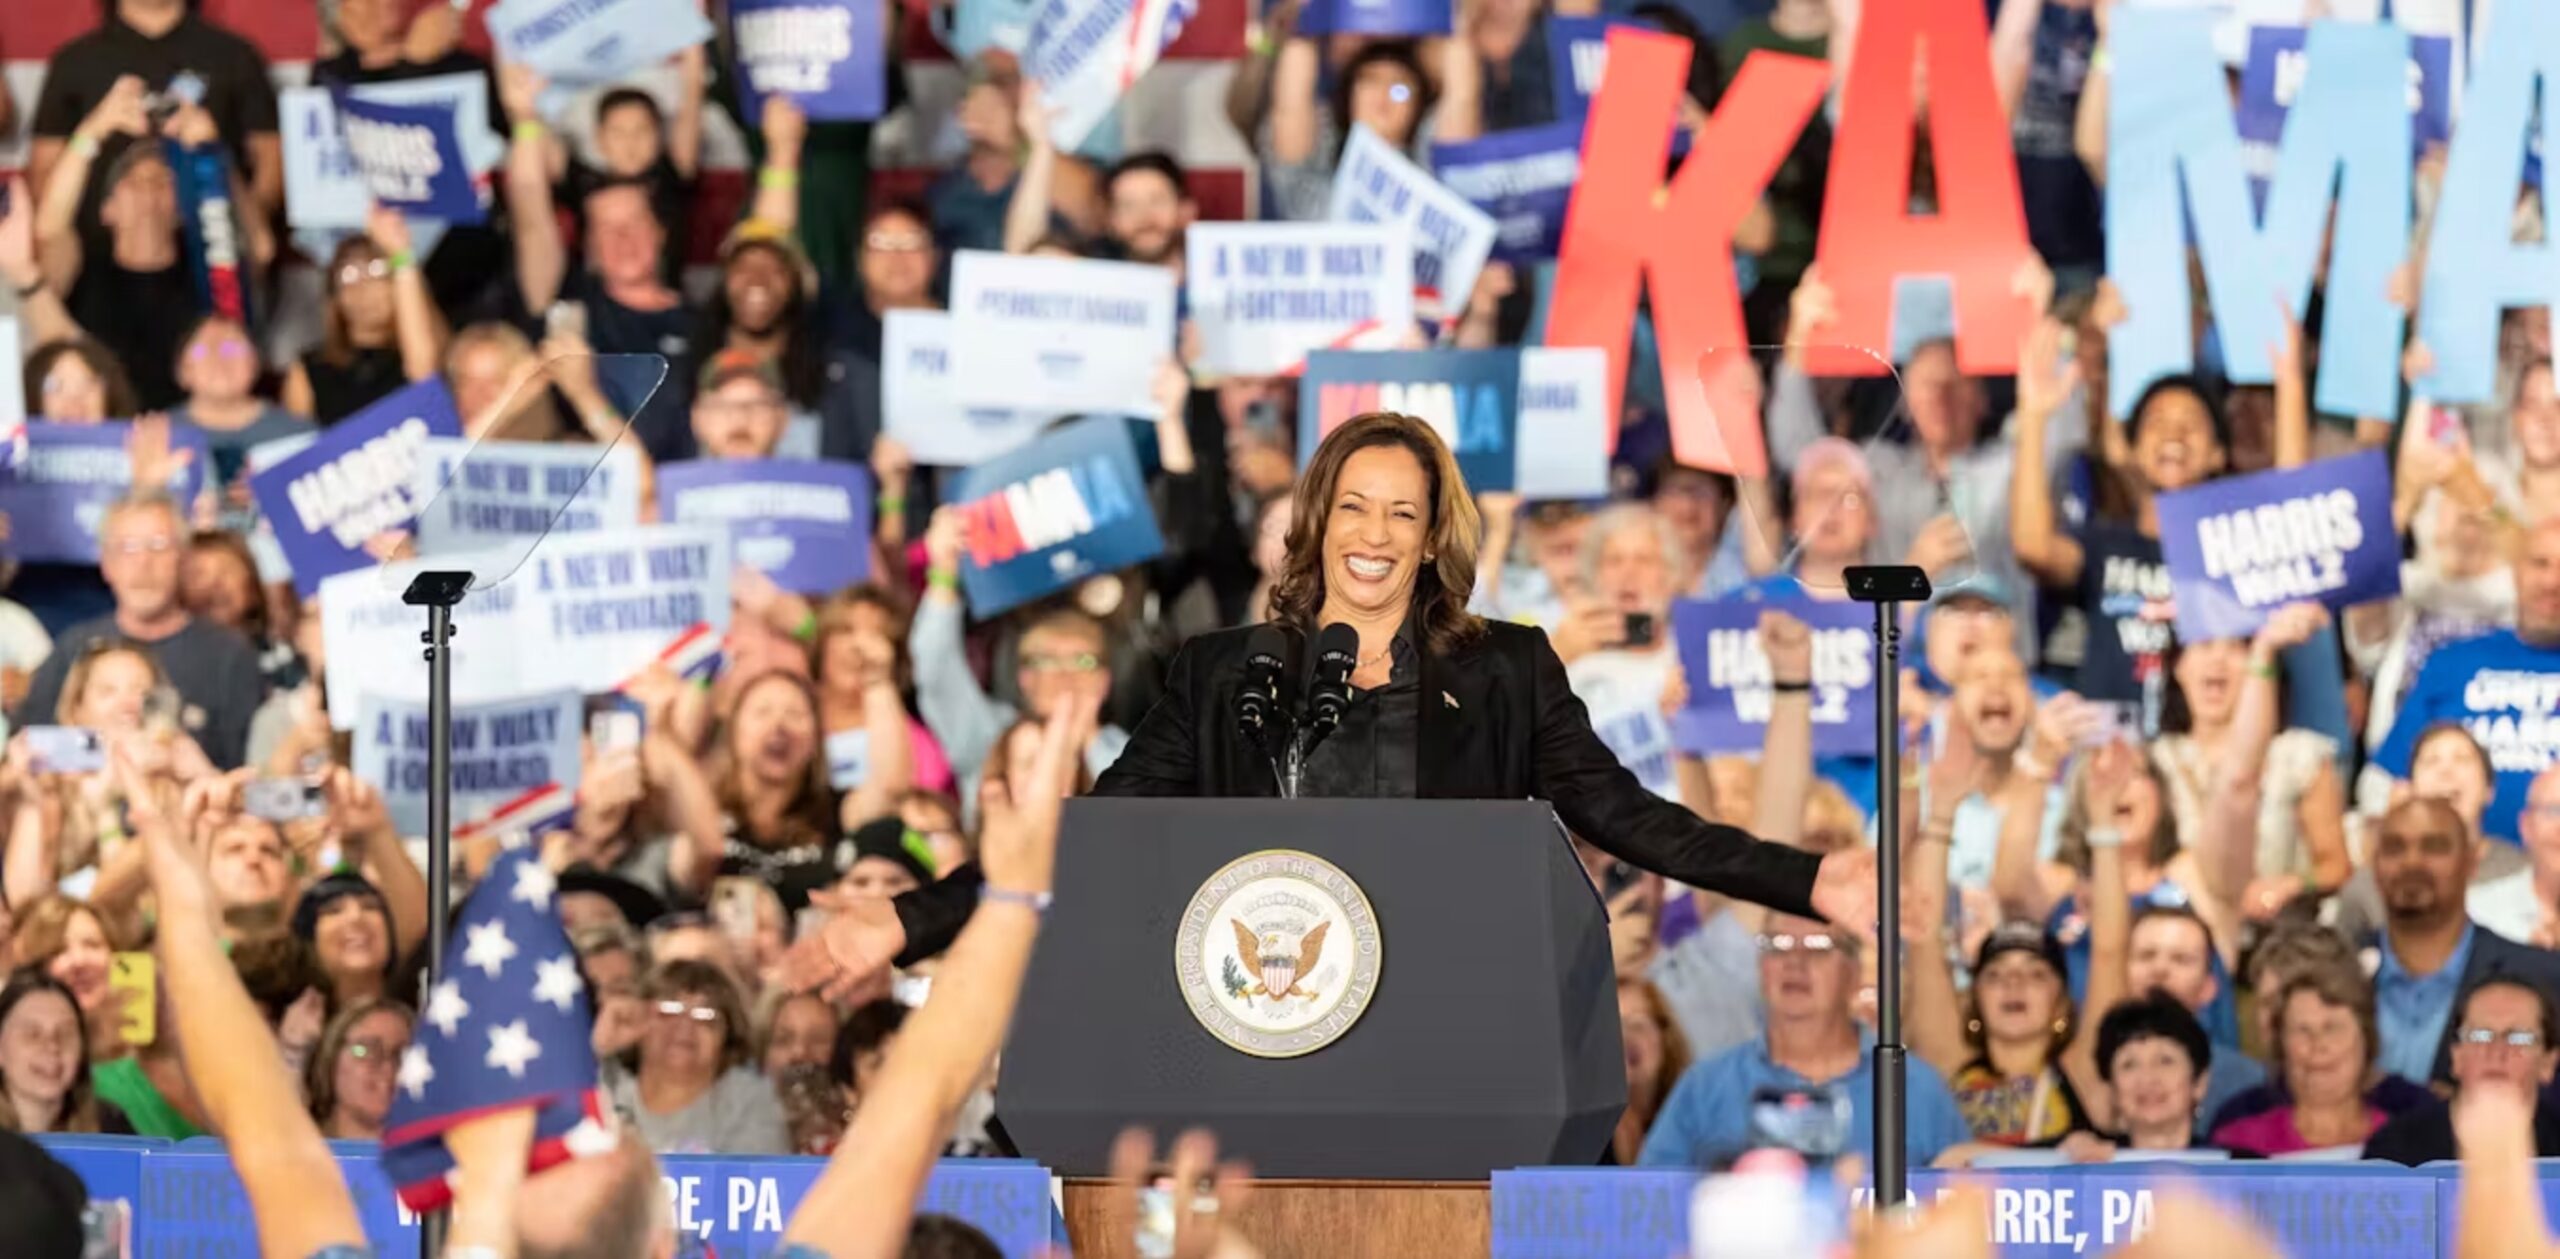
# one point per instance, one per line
(1887, 587)
(438, 592)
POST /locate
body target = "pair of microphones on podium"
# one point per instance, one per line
(1265, 713)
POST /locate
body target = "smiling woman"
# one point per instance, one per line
(1445, 705)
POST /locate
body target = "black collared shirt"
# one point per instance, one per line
(1373, 753)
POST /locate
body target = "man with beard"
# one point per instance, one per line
(2501, 685)
(2430, 949)
(1146, 205)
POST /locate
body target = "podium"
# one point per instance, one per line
(1489, 1034)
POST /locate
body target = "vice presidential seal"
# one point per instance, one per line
(1278, 953)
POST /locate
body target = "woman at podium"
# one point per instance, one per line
(1440, 704)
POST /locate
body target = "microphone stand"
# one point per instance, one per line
(438, 592)
(1887, 586)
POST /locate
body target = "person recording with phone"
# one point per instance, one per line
(1409, 696)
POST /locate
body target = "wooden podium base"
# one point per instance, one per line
(1316, 1219)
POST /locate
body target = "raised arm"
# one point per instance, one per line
(420, 325)
(1786, 743)
(1026, 217)
(1293, 103)
(1600, 800)
(542, 259)
(786, 134)
(1936, 1013)
(2227, 852)
(684, 128)
(2089, 126)
(119, 114)
(2110, 908)
(365, 830)
(2293, 395)
(861, 1204)
(2013, 50)
(884, 718)
(2044, 384)
(1460, 114)
(295, 1192)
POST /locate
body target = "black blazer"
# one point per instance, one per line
(1497, 722)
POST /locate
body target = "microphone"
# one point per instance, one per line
(1329, 692)
(1258, 700)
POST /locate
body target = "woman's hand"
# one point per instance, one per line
(2111, 770)
(942, 539)
(388, 229)
(1788, 643)
(2287, 627)
(891, 465)
(2268, 894)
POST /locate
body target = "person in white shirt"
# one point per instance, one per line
(2519, 903)
(1615, 639)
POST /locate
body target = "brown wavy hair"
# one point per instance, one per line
(1442, 589)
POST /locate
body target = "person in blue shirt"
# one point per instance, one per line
(2503, 686)
(1814, 1052)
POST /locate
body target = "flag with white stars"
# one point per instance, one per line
(505, 1026)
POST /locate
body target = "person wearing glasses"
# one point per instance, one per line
(694, 1091)
(1061, 654)
(379, 327)
(141, 541)
(349, 1076)
(1808, 1083)
(2507, 1039)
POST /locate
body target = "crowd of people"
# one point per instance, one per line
(2249, 897)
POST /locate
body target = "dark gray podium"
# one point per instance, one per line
(1490, 1039)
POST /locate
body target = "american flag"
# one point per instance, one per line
(505, 1026)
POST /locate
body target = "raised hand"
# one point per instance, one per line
(1788, 643)
(1193, 1213)
(1018, 828)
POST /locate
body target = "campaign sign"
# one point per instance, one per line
(1053, 513)
(1577, 55)
(848, 759)
(586, 611)
(502, 752)
(593, 41)
(57, 495)
(323, 189)
(922, 405)
(358, 479)
(1059, 334)
(2374, 1211)
(740, 1205)
(475, 496)
(1524, 179)
(2241, 547)
(1451, 237)
(1729, 682)
(2273, 75)
(1470, 397)
(1087, 54)
(1561, 446)
(828, 55)
(410, 157)
(805, 523)
(1265, 295)
(192, 1202)
(1376, 17)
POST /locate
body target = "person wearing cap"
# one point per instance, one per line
(767, 304)
(739, 412)
(2021, 1060)
(883, 857)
